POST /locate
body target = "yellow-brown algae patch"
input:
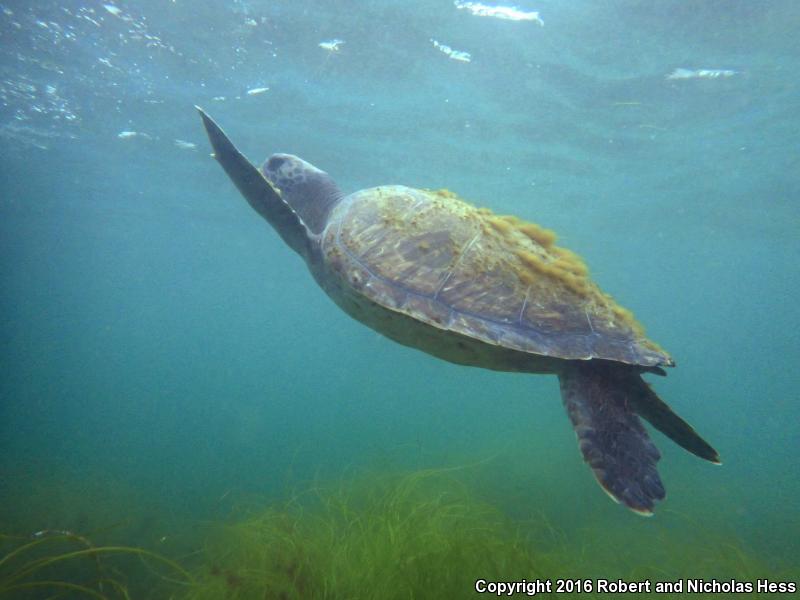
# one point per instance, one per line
(537, 233)
(529, 259)
(445, 193)
(540, 235)
(501, 225)
(569, 261)
(553, 269)
(539, 260)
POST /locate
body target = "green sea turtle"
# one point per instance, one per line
(433, 272)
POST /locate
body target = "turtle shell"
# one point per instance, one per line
(438, 259)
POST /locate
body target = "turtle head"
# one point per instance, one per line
(310, 191)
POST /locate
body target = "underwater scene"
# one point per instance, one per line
(200, 400)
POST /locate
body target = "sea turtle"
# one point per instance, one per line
(431, 271)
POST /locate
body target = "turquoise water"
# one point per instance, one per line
(162, 348)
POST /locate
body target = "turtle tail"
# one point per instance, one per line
(602, 401)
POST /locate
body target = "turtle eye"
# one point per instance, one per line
(275, 163)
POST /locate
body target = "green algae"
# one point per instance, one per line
(427, 535)
(423, 534)
(62, 562)
(417, 535)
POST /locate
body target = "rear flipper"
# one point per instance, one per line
(648, 405)
(601, 399)
(611, 437)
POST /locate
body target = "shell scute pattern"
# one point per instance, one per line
(447, 263)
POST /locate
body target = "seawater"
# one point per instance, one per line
(167, 359)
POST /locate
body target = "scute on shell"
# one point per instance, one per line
(439, 259)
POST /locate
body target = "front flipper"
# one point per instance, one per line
(611, 437)
(256, 189)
